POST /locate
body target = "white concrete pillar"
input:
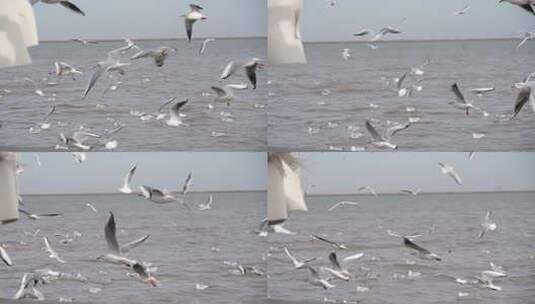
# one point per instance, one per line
(8, 188)
(17, 32)
(284, 34)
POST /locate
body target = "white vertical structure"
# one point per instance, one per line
(284, 35)
(8, 187)
(17, 32)
(285, 191)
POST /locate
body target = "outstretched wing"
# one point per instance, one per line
(72, 7)
(110, 234)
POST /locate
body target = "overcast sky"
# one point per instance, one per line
(113, 19)
(344, 173)
(104, 172)
(425, 19)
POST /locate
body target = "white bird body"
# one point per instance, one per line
(207, 205)
(52, 253)
(190, 18)
(126, 188)
(297, 264)
(450, 171)
(64, 69)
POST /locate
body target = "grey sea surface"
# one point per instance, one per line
(144, 87)
(187, 247)
(388, 272)
(324, 104)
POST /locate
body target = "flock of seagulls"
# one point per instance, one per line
(411, 83)
(117, 63)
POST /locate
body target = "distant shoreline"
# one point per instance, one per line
(422, 193)
(411, 40)
(154, 39)
(117, 193)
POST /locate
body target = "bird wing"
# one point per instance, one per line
(110, 234)
(457, 92)
(195, 7)
(5, 257)
(219, 91)
(72, 7)
(251, 74)
(129, 246)
(96, 75)
(168, 101)
(521, 99)
(230, 69)
(129, 176)
(401, 79)
(290, 255)
(334, 260)
(140, 270)
(373, 132)
(410, 244)
(324, 240)
(187, 184)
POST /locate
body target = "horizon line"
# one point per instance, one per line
(150, 39)
(420, 193)
(118, 193)
(410, 40)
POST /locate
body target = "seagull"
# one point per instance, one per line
(422, 252)
(76, 143)
(449, 170)
(342, 203)
(84, 41)
(522, 98)
(29, 280)
(314, 279)
(525, 37)
(337, 270)
(192, 17)
(45, 124)
(362, 33)
(126, 188)
(117, 255)
(298, 264)
(411, 191)
(332, 243)
(174, 114)
(346, 54)
(460, 102)
(90, 206)
(157, 196)
(383, 140)
(480, 91)
(207, 205)
(67, 4)
(204, 44)
(250, 67)
(5, 257)
(159, 55)
(369, 189)
(37, 216)
(111, 238)
(64, 69)
(353, 257)
(52, 253)
(525, 4)
(463, 11)
(487, 277)
(187, 184)
(487, 224)
(112, 63)
(385, 31)
(37, 90)
(226, 94)
(399, 82)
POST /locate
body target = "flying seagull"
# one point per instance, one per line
(369, 189)
(193, 16)
(52, 253)
(226, 93)
(522, 98)
(487, 277)
(460, 102)
(383, 140)
(112, 63)
(5, 257)
(487, 225)
(411, 191)
(126, 188)
(207, 205)
(64, 69)
(187, 184)
(462, 11)
(84, 41)
(337, 270)
(204, 44)
(67, 4)
(159, 55)
(525, 37)
(315, 279)
(33, 216)
(449, 170)
(297, 264)
(250, 67)
(422, 252)
(342, 203)
(525, 4)
(331, 243)
(174, 114)
(111, 238)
